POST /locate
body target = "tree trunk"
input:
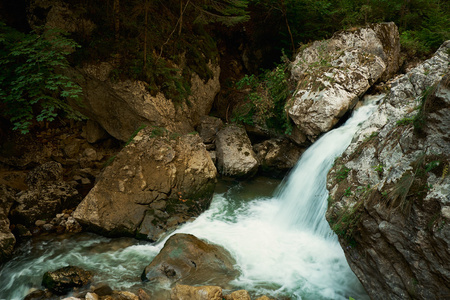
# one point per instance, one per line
(145, 34)
(116, 10)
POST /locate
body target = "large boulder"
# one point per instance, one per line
(186, 259)
(122, 107)
(277, 156)
(155, 183)
(332, 75)
(47, 195)
(235, 156)
(63, 280)
(389, 192)
(187, 292)
(7, 239)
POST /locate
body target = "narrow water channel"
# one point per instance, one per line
(277, 233)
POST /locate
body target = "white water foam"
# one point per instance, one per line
(283, 245)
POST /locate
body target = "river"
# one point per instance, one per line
(276, 231)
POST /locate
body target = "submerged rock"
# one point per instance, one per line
(155, 183)
(389, 192)
(332, 75)
(186, 259)
(63, 280)
(235, 156)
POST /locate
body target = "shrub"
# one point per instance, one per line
(33, 86)
(265, 103)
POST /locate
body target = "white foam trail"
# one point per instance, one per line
(282, 245)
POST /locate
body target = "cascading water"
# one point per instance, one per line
(283, 245)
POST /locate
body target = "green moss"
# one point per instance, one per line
(342, 173)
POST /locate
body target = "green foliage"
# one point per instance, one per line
(405, 121)
(33, 87)
(348, 192)
(346, 224)
(226, 12)
(265, 103)
(430, 166)
(342, 174)
(158, 131)
(133, 135)
(423, 24)
(378, 168)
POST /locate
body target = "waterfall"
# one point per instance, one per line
(282, 244)
(304, 196)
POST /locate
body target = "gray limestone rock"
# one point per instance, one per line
(390, 190)
(332, 74)
(235, 155)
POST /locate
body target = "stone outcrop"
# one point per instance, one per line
(277, 156)
(155, 183)
(46, 196)
(208, 129)
(122, 107)
(63, 280)
(389, 192)
(235, 156)
(332, 74)
(7, 239)
(57, 14)
(207, 292)
(186, 259)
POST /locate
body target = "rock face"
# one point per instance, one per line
(389, 192)
(155, 183)
(7, 239)
(196, 292)
(208, 129)
(235, 156)
(331, 75)
(122, 107)
(186, 259)
(277, 156)
(46, 196)
(63, 280)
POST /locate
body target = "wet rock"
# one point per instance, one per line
(390, 189)
(238, 295)
(235, 156)
(63, 280)
(186, 259)
(277, 156)
(91, 296)
(333, 74)
(7, 239)
(187, 292)
(151, 180)
(102, 290)
(38, 295)
(143, 295)
(119, 295)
